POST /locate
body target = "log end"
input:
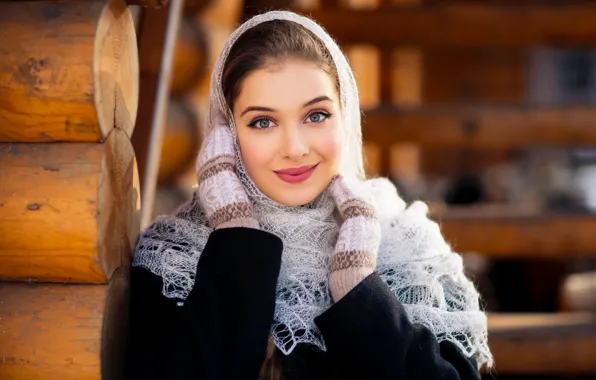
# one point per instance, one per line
(116, 69)
(578, 292)
(119, 203)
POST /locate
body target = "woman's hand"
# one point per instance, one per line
(355, 255)
(220, 191)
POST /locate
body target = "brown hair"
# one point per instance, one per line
(270, 370)
(268, 43)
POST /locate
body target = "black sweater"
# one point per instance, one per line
(221, 330)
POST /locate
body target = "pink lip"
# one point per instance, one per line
(296, 175)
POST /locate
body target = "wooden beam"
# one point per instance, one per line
(487, 128)
(561, 343)
(504, 235)
(473, 75)
(463, 25)
(159, 28)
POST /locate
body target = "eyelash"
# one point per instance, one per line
(325, 114)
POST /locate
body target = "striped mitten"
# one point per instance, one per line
(355, 254)
(220, 191)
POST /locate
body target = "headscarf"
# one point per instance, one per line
(414, 260)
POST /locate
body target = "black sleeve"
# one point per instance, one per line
(221, 330)
(368, 336)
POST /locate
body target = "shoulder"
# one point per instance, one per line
(170, 248)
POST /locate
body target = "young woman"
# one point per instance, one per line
(287, 264)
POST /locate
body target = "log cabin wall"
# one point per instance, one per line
(492, 98)
(69, 186)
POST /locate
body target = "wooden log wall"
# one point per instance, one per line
(447, 103)
(445, 92)
(456, 69)
(69, 187)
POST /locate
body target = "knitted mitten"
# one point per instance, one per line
(355, 254)
(220, 191)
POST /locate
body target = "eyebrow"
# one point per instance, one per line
(267, 109)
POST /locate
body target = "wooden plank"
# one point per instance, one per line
(550, 236)
(486, 128)
(561, 343)
(463, 25)
(159, 29)
(464, 75)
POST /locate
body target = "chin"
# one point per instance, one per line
(293, 199)
(295, 194)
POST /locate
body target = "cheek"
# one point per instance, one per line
(329, 146)
(255, 154)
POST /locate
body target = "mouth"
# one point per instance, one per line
(296, 175)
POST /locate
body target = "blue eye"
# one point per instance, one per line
(318, 117)
(261, 123)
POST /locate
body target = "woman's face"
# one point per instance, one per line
(288, 124)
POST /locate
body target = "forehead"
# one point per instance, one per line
(285, 86)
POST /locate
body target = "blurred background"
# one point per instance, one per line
(482, 108)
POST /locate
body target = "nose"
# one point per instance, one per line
(295, 144)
